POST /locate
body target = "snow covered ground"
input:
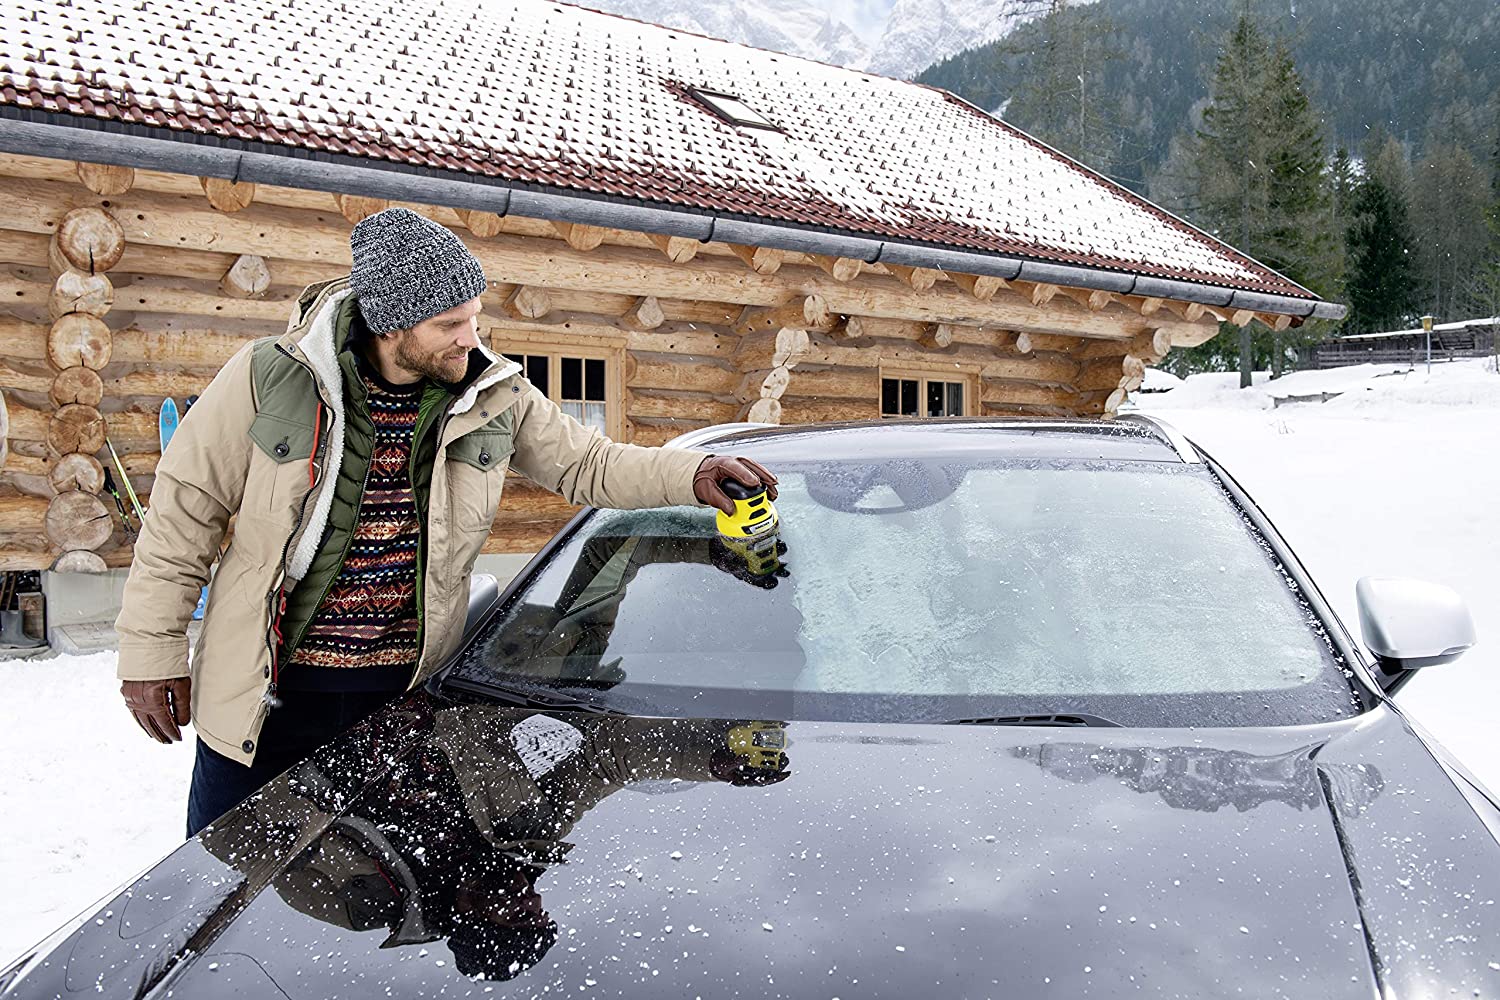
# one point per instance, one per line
(1399, 475)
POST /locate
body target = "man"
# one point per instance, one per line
(362, 456)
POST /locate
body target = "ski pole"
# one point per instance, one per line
(114, 491)
(135, 501)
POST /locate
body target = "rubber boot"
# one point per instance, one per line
(13, 636)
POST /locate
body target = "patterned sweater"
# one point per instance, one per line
(367, 622)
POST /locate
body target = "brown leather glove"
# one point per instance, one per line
(160, 707)
(717, 468)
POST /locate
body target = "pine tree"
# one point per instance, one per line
(1382, 285)
(1451, 197)
(1233, 189)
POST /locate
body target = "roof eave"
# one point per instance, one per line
(28, 132)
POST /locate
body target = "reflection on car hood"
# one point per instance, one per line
(547, 853)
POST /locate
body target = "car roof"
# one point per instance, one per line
(1133, 437)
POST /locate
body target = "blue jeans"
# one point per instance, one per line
(305, 721)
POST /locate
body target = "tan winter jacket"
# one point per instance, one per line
(230, 458)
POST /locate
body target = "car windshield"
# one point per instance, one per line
(946, 584)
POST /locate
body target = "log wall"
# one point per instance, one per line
(119, 288)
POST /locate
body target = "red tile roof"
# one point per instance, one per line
(573, 99)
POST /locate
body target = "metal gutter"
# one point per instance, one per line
(40, 133)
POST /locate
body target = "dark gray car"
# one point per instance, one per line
(1008, 709)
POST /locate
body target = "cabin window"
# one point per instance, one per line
(733, 110)
(917, 394)
(582, 384)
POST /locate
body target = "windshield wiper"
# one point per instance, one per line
(528, 696)
(1069, 719)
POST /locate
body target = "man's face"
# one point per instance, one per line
(438, 347)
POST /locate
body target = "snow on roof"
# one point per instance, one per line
(567, 98)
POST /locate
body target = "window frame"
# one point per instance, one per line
(922, 373)
(516, 343)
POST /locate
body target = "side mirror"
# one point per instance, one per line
(484, 588)
(1409, 624)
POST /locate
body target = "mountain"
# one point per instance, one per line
(920, 33)
(797, 27)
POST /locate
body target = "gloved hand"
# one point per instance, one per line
(159, 707)
(725, 765)
(717, 468)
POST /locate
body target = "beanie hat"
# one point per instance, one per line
(408, 268)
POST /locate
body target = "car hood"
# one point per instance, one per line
(477, 850)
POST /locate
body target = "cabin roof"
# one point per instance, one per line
(567, 99)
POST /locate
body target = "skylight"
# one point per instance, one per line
(733, 110)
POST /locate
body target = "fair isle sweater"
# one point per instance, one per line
(365, 633)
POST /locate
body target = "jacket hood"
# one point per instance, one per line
(1331, 860)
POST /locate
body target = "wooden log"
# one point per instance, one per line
(841, 268)
(150, 296)
(1038, 293)
(76, 292)
(80, 561)
(76, 428)
(528, 536)
(764, 384)
(1190, 312)
(24, 379)
(772, 349)
(76, 385)
(651, 434)
(1092, 299)
(247, 278)
(528, 302)
(1113, 402)
(4, 433)
(1153, 347)
(678, 406)
(1276, 321)
(161, 221)
(820, 411)
(646, 313)
(79, 339)
(1241, 317)
(105, 178)
(938, 336)
(76, 471)
(1192, 336)
(356, 208)
(481, 224)
(678, 249)
(919, 278)
(91, 239)
(1146, 305)
(1029, 342)
(202, 348)
(829, 383)
(56, 262)
(159, 383)
(982, 286)
(77, 520)
(704, 375)
(998, 392)
(524, 500)
(580, 236)
(764, 411)
(228, 196)
(761, 260)
(810, 312)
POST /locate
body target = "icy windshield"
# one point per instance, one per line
(931, 589)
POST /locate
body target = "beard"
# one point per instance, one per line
(441, 365)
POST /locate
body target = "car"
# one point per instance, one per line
(1006, 708)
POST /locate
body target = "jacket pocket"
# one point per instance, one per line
(476, 470)
(288, 444)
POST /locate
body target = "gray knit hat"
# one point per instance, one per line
(408, 268)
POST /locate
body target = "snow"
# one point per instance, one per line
(1399, 475)
(88, 802)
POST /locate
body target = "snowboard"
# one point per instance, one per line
(166, 426)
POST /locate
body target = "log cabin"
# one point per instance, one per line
(676, 230)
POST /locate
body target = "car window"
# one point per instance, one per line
(934, 589)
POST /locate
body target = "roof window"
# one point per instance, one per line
(733, 110)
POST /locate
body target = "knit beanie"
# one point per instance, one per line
(408, 268)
